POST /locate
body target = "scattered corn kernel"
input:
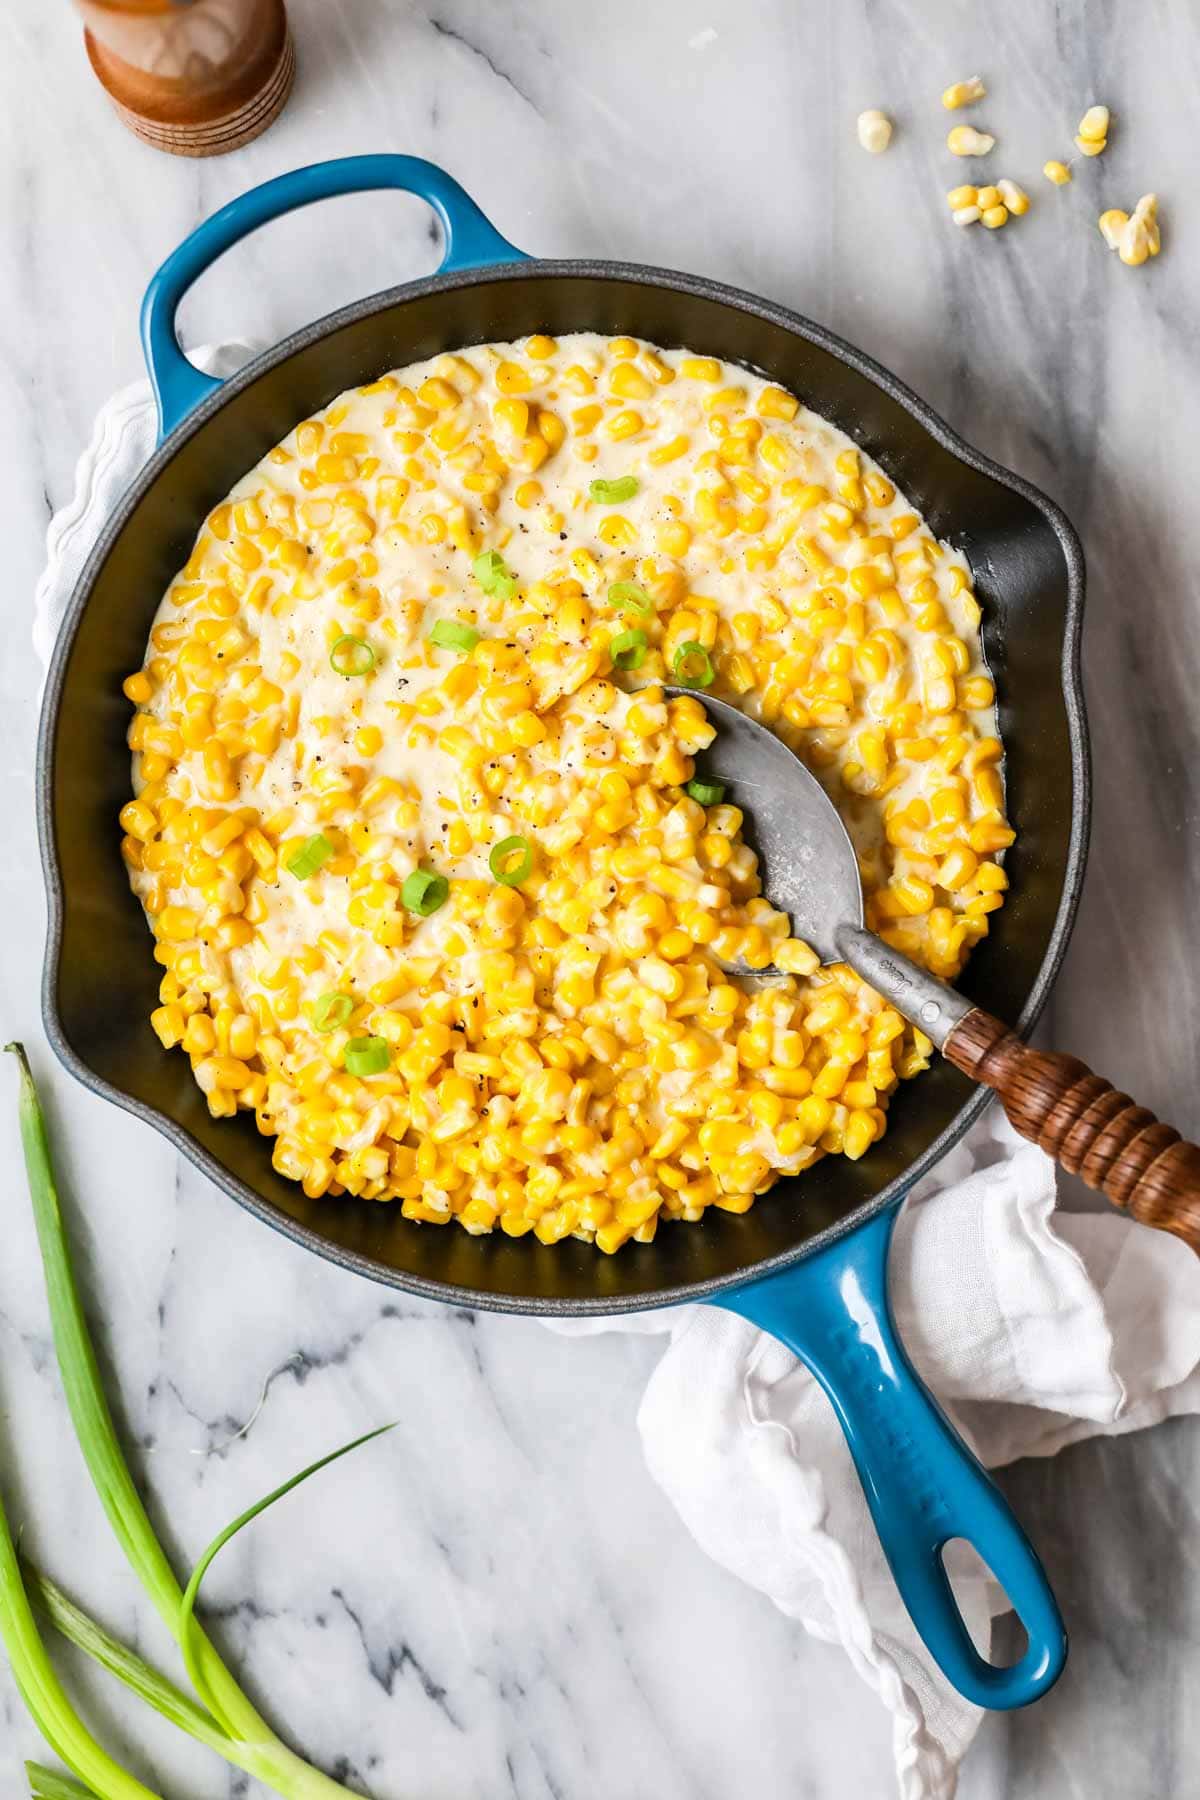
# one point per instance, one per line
(964, 140)
(1014, 197)
(874, 130)
(1140, 237)
(1112, 225)
(1092, 136)
(963, 93)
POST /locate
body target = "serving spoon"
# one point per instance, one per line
(810, 871)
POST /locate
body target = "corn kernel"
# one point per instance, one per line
(964, 140)
(1140, 236)
(874, 130)
(1112, 225)
(1014, 197)
(963, 93)
(1093, 127)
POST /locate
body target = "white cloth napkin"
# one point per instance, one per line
(1034, 1329)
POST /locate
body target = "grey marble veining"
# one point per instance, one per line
(495, 1599)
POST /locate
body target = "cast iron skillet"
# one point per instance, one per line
(809, 1261)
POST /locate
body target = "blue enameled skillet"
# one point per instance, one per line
(809, 1261)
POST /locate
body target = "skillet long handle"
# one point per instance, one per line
(1086, 1124)
(921, 1483)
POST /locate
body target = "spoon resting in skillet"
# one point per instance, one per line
(809, 871)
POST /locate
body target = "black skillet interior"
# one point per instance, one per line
(101, 979)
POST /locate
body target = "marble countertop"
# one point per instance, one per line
(497, 1599)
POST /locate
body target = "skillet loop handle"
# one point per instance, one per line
(921, 1482)
(470, 242)
(1086, 1124)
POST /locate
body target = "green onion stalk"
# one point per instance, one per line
(225, 1721)
(47, 1784)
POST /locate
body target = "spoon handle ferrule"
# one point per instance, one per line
(921, 998)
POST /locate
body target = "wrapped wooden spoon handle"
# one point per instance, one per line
(1085, 1124)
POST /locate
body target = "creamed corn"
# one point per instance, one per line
(411, 818)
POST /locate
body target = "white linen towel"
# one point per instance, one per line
(1034, 1329)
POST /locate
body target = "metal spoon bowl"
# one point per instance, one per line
(808, 865)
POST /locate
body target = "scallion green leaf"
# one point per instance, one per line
(268, 1760)
(511, 861)
(351, 656)
(424, 892)
(694, 666)
(707, 793)
(366, 1056)
(190, 1638)
(311, 856)
(44, 1694)
(493, 575)
(452, 634)
(628, 649)
(48, 1784)
(80, 1629)
(614, 493)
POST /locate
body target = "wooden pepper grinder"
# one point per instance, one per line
(195, 77)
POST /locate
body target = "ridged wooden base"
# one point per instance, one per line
(163, 121)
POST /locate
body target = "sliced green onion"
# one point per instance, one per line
(365, 1056)
(351, 656)
(309, 858)
(501, 863)
(614, 493)
(708, 793)
(452, 634)
(694, 666)
(423, 892)
(628, 649)
(627, 596)
(331, 1010)
(494, 575)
